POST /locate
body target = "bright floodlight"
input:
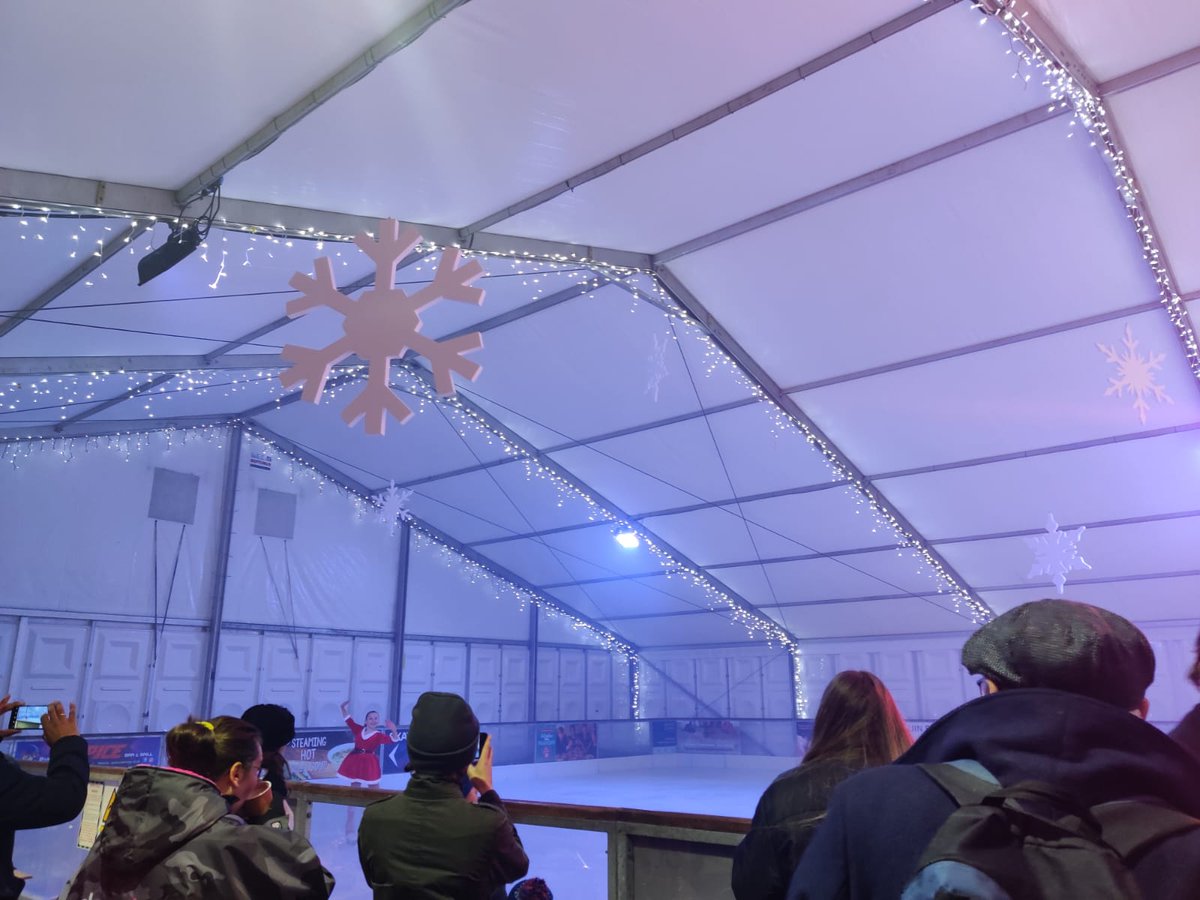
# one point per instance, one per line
(629, 540)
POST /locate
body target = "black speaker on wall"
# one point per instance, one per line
(173, 496)
(275, 515)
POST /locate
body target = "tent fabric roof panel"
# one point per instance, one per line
(955, 83)
(949, 234)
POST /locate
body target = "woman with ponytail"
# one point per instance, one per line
(181, 831)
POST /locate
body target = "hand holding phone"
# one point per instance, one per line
(7, 704)
(480, 771)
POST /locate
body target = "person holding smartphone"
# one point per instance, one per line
(33, 801)
(431, 841)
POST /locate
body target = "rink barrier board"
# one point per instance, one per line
(651, 854)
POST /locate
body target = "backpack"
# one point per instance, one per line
(1033, 840)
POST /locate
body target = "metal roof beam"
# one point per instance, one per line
(824, 61)
(362, 65)
(101, 197)
(1035, 116)
(1150, 73)
(95, 259)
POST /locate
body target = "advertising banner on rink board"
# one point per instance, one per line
(122, 752)
(565, 741)
(708, 736)
(315, 755)
(664, 736)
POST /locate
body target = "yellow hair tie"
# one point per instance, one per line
(208, 725)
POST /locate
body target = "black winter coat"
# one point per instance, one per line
(1187, 732)
(31, 801)
(784, 821)
(428, 843)
(880, 820)
(170, 834)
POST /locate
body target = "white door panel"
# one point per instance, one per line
(8, 646)
(239, 655)
(547, 685)
(119, 666)
(51, 655)
(178, 678)
(329, 683)
(681, 688)
(572, 690)
(712, 687)
(484, 694)
(779, 688)
(371, 682)
(450, 668)
(652, 694)
(940, 672)
(817, 670)
(514, 684)
(599, 684)
(746, 687)
(620, 687)
(416, 676)
(285, 665)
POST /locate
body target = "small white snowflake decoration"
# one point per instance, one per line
(1135, 374)
(658, 365)
(393, 506)
(381, 325)
(1056, 553)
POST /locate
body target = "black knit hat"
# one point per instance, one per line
(275, 723)
(444, 733)
(1065, 645)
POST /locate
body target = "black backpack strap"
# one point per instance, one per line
(1132, 826)
(966, 781)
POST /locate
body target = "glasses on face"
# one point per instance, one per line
(982, 684)
(262, 774)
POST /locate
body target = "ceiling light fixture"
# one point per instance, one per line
(629, 540)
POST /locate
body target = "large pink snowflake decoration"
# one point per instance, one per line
(381, 325)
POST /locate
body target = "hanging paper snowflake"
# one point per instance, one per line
(381, 325)
(1056, 553)
(1135, 374)
(393, 506)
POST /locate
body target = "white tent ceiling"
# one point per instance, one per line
(882, 213)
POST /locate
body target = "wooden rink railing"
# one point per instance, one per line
(652, 855)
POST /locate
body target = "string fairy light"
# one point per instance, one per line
(1067, 91)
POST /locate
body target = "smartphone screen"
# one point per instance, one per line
(483, 736)
(27, 718)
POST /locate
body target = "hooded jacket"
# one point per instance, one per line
(880, 820)
(428, 843)
(170, 834)
(1187, 732)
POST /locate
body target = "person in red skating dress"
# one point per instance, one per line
(361, 765)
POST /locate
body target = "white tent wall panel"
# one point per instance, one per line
(285, 671)
(622, 707)
(83, 541)
(442, 600)
(546, 693)
(750, 683)
(334, 572)
(239, 657)
(599, 685)
(572, 684)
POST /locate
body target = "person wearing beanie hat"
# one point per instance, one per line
(430, 842)
(277, 726)
(1062, 702)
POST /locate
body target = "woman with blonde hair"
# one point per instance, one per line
(857, 726)
(181, 832)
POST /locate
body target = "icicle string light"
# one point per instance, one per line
(1089, 112)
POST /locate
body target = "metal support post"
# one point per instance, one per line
(228, 499)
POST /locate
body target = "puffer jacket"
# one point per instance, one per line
(170, 835)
